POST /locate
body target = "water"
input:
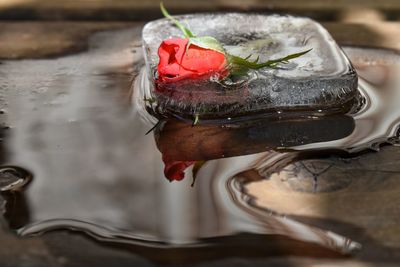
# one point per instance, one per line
(72, 126)
(321, 82)
(13, 179)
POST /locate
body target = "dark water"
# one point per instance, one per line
(76, 156)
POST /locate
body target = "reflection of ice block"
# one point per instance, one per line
(323, 80)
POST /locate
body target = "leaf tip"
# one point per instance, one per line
(164, 10)
(195, 120)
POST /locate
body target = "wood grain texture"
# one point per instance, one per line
(134, 10)
(33, 39)
(357, 197)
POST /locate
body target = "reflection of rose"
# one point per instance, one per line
(177, 62)
(174, 170)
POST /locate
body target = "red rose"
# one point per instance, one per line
(174, 170)
(177, 63)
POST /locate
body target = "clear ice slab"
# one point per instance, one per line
(322, 81)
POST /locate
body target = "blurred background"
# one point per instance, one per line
(127, 10)
(43, 28)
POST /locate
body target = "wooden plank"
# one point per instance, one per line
(375, 34)
(272, 4)
(44, 39)
(358, 198)
(48, 39)
(134, 10)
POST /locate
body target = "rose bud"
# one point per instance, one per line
(178, 62)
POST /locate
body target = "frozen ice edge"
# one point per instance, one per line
(283, 28)
(322, 78)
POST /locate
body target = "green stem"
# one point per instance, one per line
(270, 63)
(186, 32)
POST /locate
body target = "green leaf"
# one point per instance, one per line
(244, 62)
(238, 70)
(154, 127)
(195, 120)
(206, 42)
(149, 100)
(249, 56)
(186, 32)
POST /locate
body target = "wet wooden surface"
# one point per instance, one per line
(373, 203)
(357, 197)
(35, 39)
(38, 39)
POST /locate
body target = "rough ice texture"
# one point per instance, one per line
(322, 80)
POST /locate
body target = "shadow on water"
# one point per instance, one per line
(96, 172)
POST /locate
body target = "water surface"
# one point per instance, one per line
(70, 122)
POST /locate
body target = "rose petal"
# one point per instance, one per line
(179, 45)
(203, 60)
(174, 169)
(170, 52)
(174, 71)
(177, 63)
